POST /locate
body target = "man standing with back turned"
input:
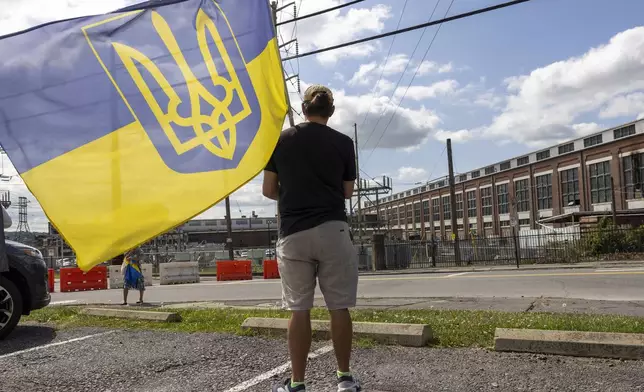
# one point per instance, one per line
(312, 173)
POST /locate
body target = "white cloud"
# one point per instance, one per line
(411, 174)
(419, 93)
(459, 136)
(395, 65)
(624, 105)
(336, 27)
(543, 106)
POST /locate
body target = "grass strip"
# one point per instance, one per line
(451, 328)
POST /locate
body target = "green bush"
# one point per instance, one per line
(609, 239)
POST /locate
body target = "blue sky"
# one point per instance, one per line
(499, 84)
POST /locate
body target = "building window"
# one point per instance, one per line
(523, 160)
(417, 212)
(566, 148)
(410, 218)
(524, 222)
(408, 193)
(448, 229)
(522, 194)
(441, 184)
(475, 174)
(462, 177)
(436, 210)
(471, 204)
(599, 174)
(447, 209)
(593, 140)
(633, 174)
(624, 131)
(541, 155)
(489, 170)
(459, 205)
(423, 189)
(432, 186)
(415, 191)
(486, 201)
(426, 211)
(569, 186)
(505, 165)
(504, 223)
(544, 192)
(487, 225)
(502, 199)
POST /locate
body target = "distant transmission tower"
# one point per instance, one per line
(23, 222)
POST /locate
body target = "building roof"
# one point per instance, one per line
(606, 136)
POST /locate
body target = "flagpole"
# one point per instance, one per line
(291, 120)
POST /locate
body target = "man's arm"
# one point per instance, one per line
(270, 187)
(350, 173)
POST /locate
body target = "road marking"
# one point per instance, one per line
(620, 269)
(458, 274)
(13, 354)
(505, 276)
(278, 370)
(70, 301)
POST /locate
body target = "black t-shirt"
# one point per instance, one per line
(312, 161)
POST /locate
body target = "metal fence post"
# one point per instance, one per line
(517, 254)
(433, 250)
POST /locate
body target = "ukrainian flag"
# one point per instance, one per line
(126, 125)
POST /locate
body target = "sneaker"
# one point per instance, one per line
(348, 384)
(286, 387)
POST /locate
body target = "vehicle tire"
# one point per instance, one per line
(10, 306)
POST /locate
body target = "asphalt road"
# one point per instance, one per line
(142, 361)
(604, 284)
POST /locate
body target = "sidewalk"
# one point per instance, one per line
(511, 267)
(552, 305)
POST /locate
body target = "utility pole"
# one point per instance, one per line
(355, 133)
(613, 203)
(229, 226)
(452, 199)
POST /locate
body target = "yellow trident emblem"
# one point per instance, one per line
(197, 91)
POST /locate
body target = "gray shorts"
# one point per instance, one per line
(325, 252)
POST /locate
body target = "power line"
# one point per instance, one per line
(319, 12)
(402, 75)
(412, 28)
(384, 66)
(391, 119)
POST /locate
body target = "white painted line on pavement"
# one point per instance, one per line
(13, 354)
(620, 269)
(69, 301)
(457, 274)
(278, 370)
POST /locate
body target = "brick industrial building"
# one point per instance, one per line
(554, 184)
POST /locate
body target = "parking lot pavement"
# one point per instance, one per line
(147, 361)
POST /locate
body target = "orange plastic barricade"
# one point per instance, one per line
(234, 270)
(73, 279)
(50, 279)
(270, 269)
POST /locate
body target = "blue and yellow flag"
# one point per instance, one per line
(126, 125)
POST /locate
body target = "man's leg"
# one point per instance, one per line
(342, 335)
(299, 343)
(298, 274)
(338, 275)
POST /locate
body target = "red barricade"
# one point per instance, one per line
(50, 279)
(234, 270)
(73, 279)
(270, 269)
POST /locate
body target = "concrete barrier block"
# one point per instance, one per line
(147, 274)
(409, 335)
(115, 277)
(179, 272)
(133, 314)
(578, 344)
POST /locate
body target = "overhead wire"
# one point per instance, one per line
(420, 64)
(402, 75)
(382, 71)
(412, 28)
(298, 18)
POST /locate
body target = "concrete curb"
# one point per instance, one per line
(577, 344)
(133, 314)
(408, 335)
